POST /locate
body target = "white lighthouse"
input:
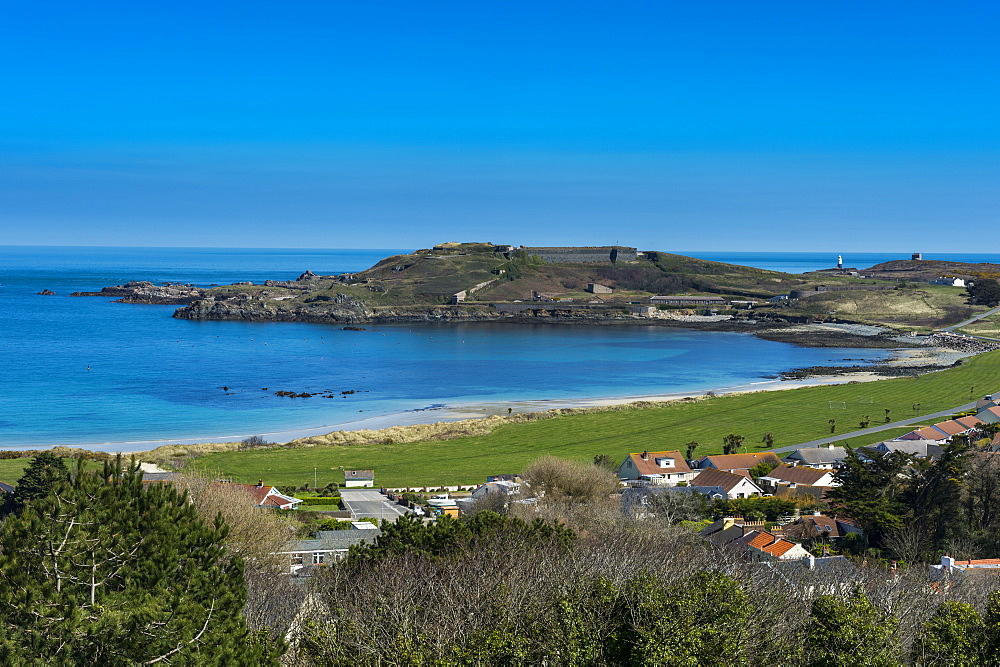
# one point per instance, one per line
(840, 262)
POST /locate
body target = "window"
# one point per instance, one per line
(296, 559)
(318, 558)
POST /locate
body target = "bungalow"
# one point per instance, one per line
(819, 526)
(951, 281)
(923, 449)
(354, 479)
(793, 476)
(826, 457)
(761, 545)
(328, 546)
(989, 415)
(655, 468)
(269, 496)
(737, 463)
(721, 484)
(942, 432)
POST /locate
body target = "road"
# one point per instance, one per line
(875, 429)
(972, 319)
(368, 503)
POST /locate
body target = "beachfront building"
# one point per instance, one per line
(654, 469)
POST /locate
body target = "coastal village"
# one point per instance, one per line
(877, 496)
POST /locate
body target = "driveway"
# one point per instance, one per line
(368, 503)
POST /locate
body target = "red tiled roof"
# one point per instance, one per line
(969, 421)
(951, 427)
(738, 461)
(930, 433)
(797, 474)
(649, 466)
(761, 540)
(779, 548)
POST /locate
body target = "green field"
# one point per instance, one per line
(11, 469)
(792, 416)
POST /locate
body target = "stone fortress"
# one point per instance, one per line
(578, 255)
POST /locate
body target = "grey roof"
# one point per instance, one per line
(816, 455)
(332, 540)
(359, 474)
(922, 448)
(6, 488)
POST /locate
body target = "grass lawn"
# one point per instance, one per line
(792, 416)
(11, 469)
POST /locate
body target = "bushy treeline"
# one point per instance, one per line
(499, 590)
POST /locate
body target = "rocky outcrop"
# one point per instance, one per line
(141, 291)
(46, 292)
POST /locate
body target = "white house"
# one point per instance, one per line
(655, 468)
(354, 479)
(721, 484)
(793, 476)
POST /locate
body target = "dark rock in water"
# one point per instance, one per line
(354, 329)
(46, 292)
(144, 292)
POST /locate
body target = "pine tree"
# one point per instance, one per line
(37, 480)
(103, 571)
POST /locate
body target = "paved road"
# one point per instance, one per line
(368, 503)
(875, 429)
(969, 321)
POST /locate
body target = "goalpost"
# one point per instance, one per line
(838, 405)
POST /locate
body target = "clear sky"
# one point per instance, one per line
(799, 125)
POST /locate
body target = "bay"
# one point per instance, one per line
(87, 371)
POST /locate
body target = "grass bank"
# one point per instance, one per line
(792, 416)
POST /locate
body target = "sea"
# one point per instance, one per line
(86, 371)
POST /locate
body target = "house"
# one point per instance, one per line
(942, 432)
(268, 496)
(948, 280)
(923, 449)
(793, 476)
(826, 457)
(819, 526)
(500, 489)
(328, 546)
(980, 567)
(762, 545)
(655, 468)
(355, 479)
(687, 300)
(737, 463)
(597, 288)
(989, 415)
(721, 484)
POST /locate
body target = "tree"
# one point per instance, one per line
(604, 461)
(954, 635)
(768, 439)
(833, 425)
(985, 292)
(934, 495)
(689, 449)
(36, 482)
(870, 491)
(865, 421)
(731, 443)
(850, 631)
(762, 469)
(103, 571)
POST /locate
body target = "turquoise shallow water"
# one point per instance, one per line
(152, 377)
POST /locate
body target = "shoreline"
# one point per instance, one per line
(904, 360)
(460, 412)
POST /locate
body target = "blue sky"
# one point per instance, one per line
(846, 126)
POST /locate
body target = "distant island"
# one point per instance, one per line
(468, 282)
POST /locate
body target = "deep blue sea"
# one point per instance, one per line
(90, 371)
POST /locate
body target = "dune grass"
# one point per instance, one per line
(792, 416)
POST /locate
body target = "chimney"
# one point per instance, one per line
(947, 563)
(260, 483)
(644, 455)
(810, 561)
(817, 513)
